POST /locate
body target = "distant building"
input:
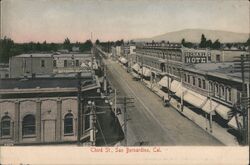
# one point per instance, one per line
(220, 56)
(116, 51)
(75, 49)
(40, 64)
(29, 64)
(4, 71)
(45, 110)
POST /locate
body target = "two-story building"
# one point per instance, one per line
(45, 110)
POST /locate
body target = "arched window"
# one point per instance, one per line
(68, 124)
(5, 126)
(29, 125)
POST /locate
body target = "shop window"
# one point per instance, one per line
(68, 124)
(5, 126)
(29, 125)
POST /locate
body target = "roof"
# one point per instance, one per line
(41, 55)
(48, 82)
(34, 55)
(70, 55)
(223, 70)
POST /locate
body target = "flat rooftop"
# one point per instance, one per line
(59, 81)
(227, 69)
(49, 55)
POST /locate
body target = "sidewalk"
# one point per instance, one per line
(217, 131)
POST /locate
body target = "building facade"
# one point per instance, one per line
(45, 110)
(194, 81)
(45, 64)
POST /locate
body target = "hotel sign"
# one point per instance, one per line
(197, 56)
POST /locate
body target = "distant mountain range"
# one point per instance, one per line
(194, 35)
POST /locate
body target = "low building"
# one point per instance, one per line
(28, 64)
(39, 64)
(4, 71)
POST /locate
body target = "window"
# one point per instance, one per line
(185, 77)
(193, 80)
(5, 126)
(6, 75)
(29, 125)
(203, 84)
(229, 94)
(68, 124)
(54, 63)
(188, 78)
(216, 89)
(222, 91)
(42, 63)
(65, 63)
(77, 62)
(199, 82)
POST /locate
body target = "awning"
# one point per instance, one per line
(136, 67)
(233, 123)
(175, 85)
(123, 60)
(135, 75)
(223, 111)
(164, 82)
(207, 107)
(195, 99)
(146, 72)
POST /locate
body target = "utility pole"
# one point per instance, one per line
(182, 93)
(115, 104)
(244, 65)
(79, 100)
(93, 122)
(125, 121)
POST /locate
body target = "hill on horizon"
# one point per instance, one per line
(194, 35)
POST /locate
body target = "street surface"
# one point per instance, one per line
(149, 121)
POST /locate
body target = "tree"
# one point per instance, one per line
(209, 44)
(229, 45)
(187, 44)
(6, 47)
(86, 46)
(66, 44)
(216, 44)
(183, 42)
(97, 42)
(247, 42)
(203, 41)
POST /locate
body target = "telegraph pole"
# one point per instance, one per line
(79, 100)
(244, 65)
(125, 121)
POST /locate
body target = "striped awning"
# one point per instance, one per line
(136, 67)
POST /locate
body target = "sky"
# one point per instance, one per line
(54, 20)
